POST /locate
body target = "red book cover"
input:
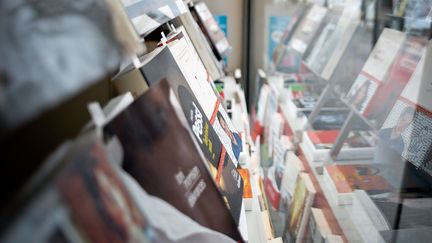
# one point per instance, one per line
(400, 73)
(272, 193)
(323, 137)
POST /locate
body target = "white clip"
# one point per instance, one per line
(97, 114)
(173, 28)
(163, 39)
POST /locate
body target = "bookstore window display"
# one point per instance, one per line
(363, 139)
(336, 148)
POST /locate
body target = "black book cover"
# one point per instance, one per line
(161, 155)
(221, 166)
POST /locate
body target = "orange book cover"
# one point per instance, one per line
(347, 178)
(247, 189)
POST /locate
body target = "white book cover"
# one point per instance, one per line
(197, 78)
(293, 167)
(202, 46)
(262, 102)
(383, 54)
(319, 227)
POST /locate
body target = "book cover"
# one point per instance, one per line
(271, 192)
(326, 139)
(320, 52)
(331, 119)
(300, 208)
(347, 178)
(404, 65)
(406, 129)
(375, 69)
(180, 74)
(221, 166)
(247, 187)
(295, 19)
(290, 60)
(81, 194)
(164, 159)
(212, 30)
(199, 82)
(345, 71)
(338, 43)
(293, 168)
(201, 45)
(308, 29)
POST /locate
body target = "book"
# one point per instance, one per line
(222, 168)
(201, 45)
(329, 119)
(293, 168)
(375, 69)
(290, 60)
(80, 193)
(247, 188)
(405, 129)
(262, 103)
(179, 74)
(358, 145)
(275, 133)
(348, 67)
(196, 78)
(209, 26)
(169, 224)
(308, 29)
(344, 179)
(318, 228)
(152, 130)
(384, 90)
(295, 19)
(300, 209)
(332, 43)
(146, 15)
(399, 74)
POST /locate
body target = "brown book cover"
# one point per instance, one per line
(162, 156)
